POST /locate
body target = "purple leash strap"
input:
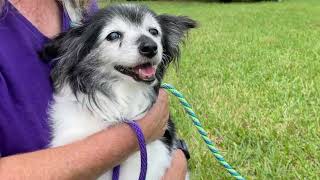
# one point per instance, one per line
(143, 153)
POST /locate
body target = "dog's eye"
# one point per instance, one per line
(113, 36)
(153, 31)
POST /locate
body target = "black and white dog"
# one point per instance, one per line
(108, 70)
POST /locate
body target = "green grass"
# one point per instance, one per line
(252, 73)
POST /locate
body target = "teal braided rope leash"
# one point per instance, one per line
(187, 107)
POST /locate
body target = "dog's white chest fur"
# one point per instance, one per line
(73, 120)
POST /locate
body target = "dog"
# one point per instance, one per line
(108, 70)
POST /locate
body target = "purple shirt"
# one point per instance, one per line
(25, 86)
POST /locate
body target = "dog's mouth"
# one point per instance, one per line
(143, 72)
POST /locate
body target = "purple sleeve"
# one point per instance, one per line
(3, 94)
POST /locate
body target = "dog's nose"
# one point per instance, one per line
(148, 49)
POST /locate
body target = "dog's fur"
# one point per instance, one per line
(90, 94)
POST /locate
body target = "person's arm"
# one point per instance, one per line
(88, 158)
(85, 159)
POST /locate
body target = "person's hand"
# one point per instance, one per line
(178, 168)
(154, 123)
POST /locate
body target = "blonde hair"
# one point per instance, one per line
(76, 9)
(80, 3)
(1, 5)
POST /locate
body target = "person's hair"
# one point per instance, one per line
(76, 8)
(1, 6)
(79, 3)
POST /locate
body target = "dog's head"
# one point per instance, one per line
(127, 42)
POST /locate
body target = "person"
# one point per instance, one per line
(25, 90)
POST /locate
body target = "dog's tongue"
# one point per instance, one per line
(145, 71)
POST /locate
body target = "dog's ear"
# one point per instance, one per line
(174, 29)
(51, 50)
(66, 51)
(57, 46)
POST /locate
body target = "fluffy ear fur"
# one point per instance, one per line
(174, 29)
(64, 43)
(51, 50)
(67, 51)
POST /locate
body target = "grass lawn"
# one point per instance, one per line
(252, 73)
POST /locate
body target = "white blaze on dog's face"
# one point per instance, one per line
(133, 50)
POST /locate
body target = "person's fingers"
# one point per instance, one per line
(178, 168)
(161, 104)
(155, 122)
(163, 95)
(179, 159)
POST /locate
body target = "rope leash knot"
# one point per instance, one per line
(143, 153)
